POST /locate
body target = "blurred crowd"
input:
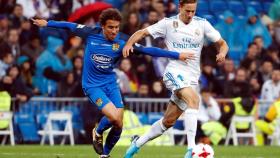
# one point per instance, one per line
(48, 62)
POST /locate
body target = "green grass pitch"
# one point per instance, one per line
(86, 151)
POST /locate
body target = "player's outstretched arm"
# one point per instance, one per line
(40, 22)
(222, 49)
(137, 36)
(78, 29)
(157, 52)
(55, 24)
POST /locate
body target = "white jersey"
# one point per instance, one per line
(181, 37)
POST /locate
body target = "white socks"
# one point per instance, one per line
(191, 126)
(156, 130)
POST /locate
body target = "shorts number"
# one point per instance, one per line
(180, 77)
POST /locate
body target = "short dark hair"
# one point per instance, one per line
(182, 2)
(110, 14)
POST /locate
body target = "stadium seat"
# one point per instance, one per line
(76, 116)
(202, 7)
(7, 116)
(29, 132)
(237, 7)
(218, 6)
(50, 132)
(154, 116)
(143, 117)
(266, 6)
(179, 125)
(41, 119)
(210, 18)
(271, 1)
(27, 126)
(254, 4)
(234, 134)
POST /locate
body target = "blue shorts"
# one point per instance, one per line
(100, 96)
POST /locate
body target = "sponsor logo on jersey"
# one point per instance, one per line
(175, 25)
(186, 43)
(101, 59)
(115, 47)
(98, 102)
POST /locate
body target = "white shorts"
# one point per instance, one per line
(175, 81)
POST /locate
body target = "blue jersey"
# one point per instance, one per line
(100, 58)
(101, 55)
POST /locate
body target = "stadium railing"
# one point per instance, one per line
(138, 105)
(34, 112)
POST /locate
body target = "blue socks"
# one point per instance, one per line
(103, 125)
(113, 136)
(111, 140)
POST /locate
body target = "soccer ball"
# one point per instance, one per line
(202, 151)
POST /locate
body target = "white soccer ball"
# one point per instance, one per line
(203, 151)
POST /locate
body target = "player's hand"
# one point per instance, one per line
(39, 22)
(126, 50)
(220, 58)
(186, 56)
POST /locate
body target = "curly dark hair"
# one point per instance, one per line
(110, 14)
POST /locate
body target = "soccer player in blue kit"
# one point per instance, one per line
(103, 49)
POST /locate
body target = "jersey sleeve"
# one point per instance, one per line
(159, 29)
(84, 31)
(155, 52)
(78, 29)
(210, 32)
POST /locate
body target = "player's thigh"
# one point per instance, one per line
(97, 97)
(114, 94)
(189, 96)
(172, 113)
(184, 94)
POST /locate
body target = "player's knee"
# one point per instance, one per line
(193, 101)
(168, 122)
(117, 122)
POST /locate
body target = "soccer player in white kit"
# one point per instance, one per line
(184, 32)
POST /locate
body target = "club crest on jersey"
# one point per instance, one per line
(175, 25)
(115, 47)
(197, 32)
(98, 102)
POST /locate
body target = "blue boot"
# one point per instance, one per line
(133, 149)
(188, 154)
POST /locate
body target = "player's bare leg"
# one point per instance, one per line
(191, 98)
(158, 128)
